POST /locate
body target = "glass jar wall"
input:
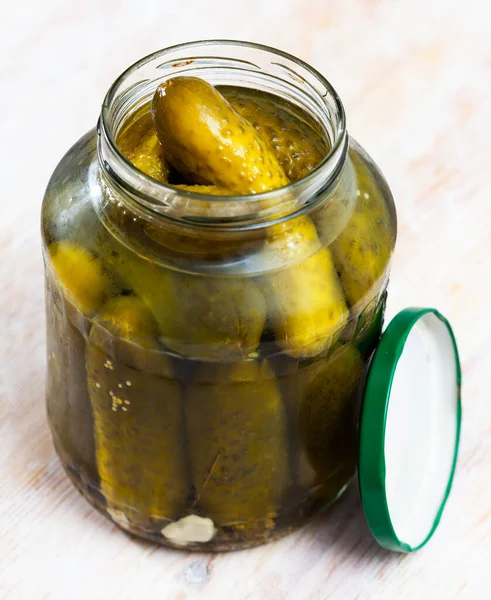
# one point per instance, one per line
(206, 353)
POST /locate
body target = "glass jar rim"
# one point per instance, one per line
(129, 176)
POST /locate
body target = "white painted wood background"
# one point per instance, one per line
(415, 77)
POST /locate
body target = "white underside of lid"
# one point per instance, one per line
(421, 430)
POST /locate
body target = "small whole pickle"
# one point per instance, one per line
(149, 158)
(201, 317)
(294, 139)
(362, 256)
(128, 318)
(306, 304)
(363, 250)
(327, 414)
(80, 274)
(140, 144)
(69, 409)
(237, 443)
(208, 142)
(214, 318)
(138, 420)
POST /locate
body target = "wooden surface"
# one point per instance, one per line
(415, 78)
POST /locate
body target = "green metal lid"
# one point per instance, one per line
(410, 429)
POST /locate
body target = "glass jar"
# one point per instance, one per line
(206, 354)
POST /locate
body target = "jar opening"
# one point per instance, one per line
(223, 62)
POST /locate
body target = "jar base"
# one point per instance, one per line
(227, 538)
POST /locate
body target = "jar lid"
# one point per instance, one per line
(410, 429)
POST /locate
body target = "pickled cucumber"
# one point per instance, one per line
(362, 255)
(138, 420)
(292, 136)
(237, 442)
(363, 250)
(306, 304)
(327, 415)
(201, 317)
(208, 142)
(68, 402)
(80, 274)
(140, 144)
(214, 318)
(298, 382)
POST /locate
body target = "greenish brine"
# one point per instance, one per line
(217, 258)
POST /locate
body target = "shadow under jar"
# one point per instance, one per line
(206, 353)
